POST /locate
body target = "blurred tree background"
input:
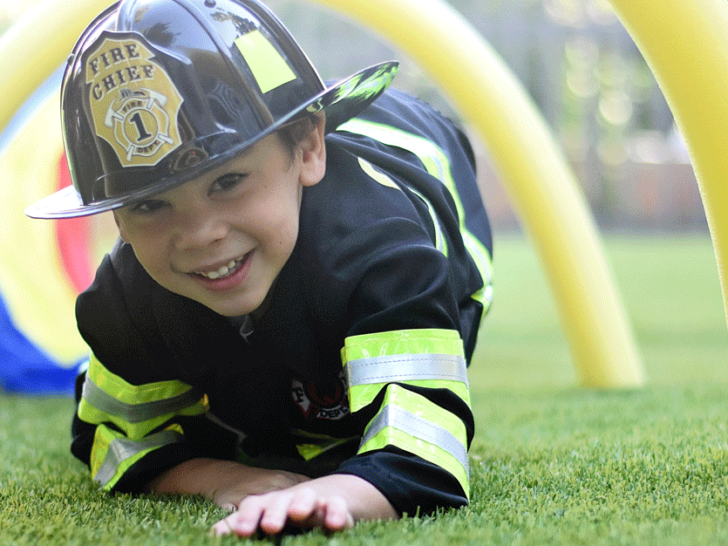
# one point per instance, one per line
(586, 76)
(584, 73)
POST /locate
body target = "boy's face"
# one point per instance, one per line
(222, 238)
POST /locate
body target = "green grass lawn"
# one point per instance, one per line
(551, 463)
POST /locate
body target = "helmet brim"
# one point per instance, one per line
(340, 102)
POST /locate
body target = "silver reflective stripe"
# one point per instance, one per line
(408, 367)
(122, 449)
(400, 419)
(136, 413)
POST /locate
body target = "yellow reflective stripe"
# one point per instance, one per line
(433, 158)
(363, 395)
(113, 454)
(136, 413)
(397, 342)
(385, 180)
(132, 394)
(320, 443)
(440, 241)
(410, 422)
(377, 175)
(483, 262)
(269, 68)
(311, 451)
(417, 344)
(137, 410)
(437, 164)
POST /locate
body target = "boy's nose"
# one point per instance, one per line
(198, 229)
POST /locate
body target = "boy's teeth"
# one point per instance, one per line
(224, 270)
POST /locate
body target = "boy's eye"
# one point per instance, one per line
(147, 207)
(227, 182)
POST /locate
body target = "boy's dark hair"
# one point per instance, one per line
(291, 135)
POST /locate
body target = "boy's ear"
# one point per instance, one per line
(312, 151)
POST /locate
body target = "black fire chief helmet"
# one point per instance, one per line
(157, 92)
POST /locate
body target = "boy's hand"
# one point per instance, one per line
(226, 483)
(333, 502)
(299, 507)
(228, 495)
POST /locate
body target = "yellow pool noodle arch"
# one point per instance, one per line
(486, 93)
(685, 43)
(533, 170)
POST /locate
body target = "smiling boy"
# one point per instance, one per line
(223, 238)
(285, 324)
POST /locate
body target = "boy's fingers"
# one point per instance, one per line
(272, 511)
(275, 512)
(302, 505)
(244, 522)
(337, 515)
(222, 527)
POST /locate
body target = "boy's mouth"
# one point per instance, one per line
(224, 271)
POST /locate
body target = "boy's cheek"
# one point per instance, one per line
(120, 226)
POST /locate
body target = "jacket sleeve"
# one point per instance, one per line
(406, 371)
(421, 281)
(411, 389)
(403, 354)
(133, 419)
